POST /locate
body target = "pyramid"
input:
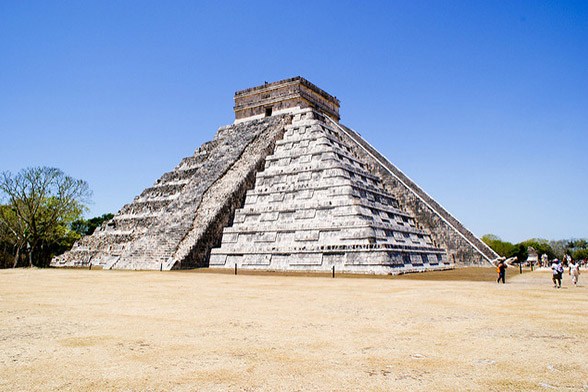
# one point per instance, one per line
(285, 187)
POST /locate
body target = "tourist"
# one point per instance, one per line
(557, 270)
(574, 271)
(544, 260)
(501, 269)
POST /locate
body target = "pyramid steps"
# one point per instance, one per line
(149, 231)
(315, 206)
(465, 247)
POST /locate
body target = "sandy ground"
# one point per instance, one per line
(79, 330)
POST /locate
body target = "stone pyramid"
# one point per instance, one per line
(286, 187)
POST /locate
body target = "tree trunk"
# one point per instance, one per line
(16, 257)
(31, 258)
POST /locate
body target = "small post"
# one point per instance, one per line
(161, 266)
(333, 271)
(531, 266)
(235, 268)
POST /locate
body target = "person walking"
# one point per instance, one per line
(501, 269)
(557, 270)
(574, 271)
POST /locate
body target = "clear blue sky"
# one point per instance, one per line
(483, 103)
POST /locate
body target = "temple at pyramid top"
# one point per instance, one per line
(283, 97)
(285, 187)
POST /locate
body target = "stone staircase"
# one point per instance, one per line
(164, 225)
(316, 205)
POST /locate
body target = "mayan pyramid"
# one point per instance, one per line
(285, 187)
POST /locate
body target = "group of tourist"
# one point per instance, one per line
(557, 270)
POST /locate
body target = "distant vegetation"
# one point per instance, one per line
(41, 215)
(576, 248)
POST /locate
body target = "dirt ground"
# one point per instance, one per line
(79, 330)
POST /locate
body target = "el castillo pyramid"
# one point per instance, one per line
(285, 187)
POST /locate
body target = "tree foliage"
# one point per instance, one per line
(580, 254)
(6, 245)
(38, 206)
(87, 226)
(576, 248)
(503, 248)
(541, 246)
(559, 247)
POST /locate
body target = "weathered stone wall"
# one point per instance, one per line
(283, 95)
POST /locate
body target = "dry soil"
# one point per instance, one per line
(79, 330)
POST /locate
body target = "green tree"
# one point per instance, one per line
(503, 248)
(568, 247)
(579, 244)
(39, 205)
(7, 241)
(541, 246)
(13, 230)
(87, 226)
(520, 251)
(580, 254)
(559, 248)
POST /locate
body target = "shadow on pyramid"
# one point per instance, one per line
(284, 188)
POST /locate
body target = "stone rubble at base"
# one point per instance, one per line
(286, 187)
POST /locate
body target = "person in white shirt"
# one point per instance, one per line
(557, 270)
(574, 271)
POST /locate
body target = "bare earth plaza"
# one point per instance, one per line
(74, 330)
